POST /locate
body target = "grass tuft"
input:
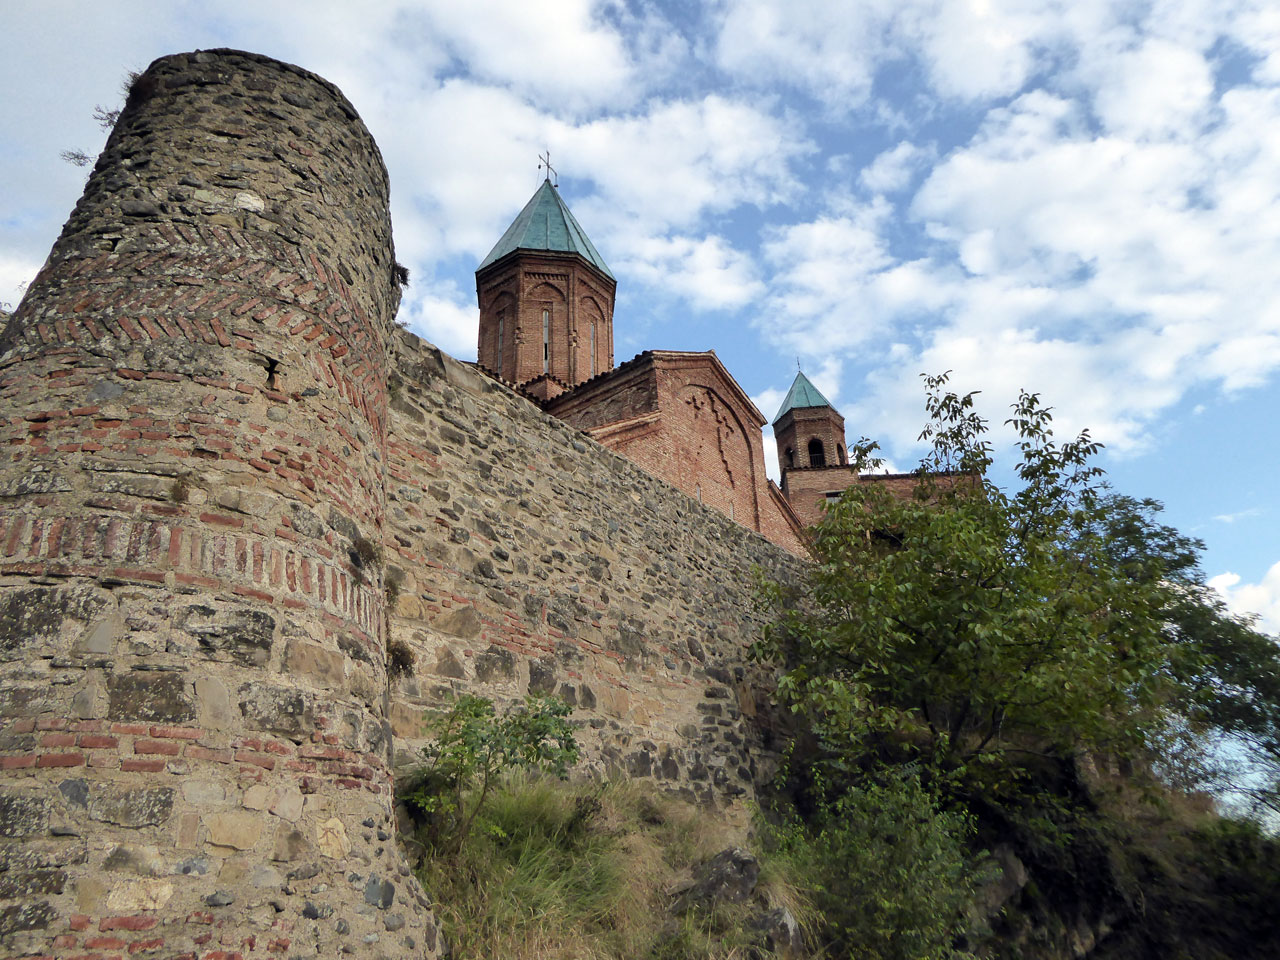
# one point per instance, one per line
(555, 870)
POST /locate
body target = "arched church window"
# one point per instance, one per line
(502, 320)
(789, 457)
(817, 455)
(593, 348)
(840, 454)
(546, 341)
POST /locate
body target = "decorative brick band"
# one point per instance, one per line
(253, 564)
(203, 294)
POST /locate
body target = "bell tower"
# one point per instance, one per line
(546, 301)
(809, 431)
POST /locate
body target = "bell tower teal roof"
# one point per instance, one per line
(802, 394)
(545, 223)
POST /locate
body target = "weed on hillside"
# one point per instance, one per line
(578, 871)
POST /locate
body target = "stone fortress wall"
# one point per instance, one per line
(221, 462)
(527, 558)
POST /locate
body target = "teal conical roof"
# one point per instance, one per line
(545, 223)
(802, 394)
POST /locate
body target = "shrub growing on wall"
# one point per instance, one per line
(472, 746)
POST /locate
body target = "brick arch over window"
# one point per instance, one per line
(546, 329)
(501, 353)
(817, 453)
(592, 341)
(547, 291)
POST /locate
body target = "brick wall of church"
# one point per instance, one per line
(801, 425)
(808, 489)
(628, 393)
(708, 451)
(677, 416)
(521, 287)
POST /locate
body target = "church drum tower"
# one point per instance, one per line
(546, 302)
(809, 431)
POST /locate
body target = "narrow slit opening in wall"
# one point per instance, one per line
(273, 374)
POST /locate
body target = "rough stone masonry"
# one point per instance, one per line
(208, 493)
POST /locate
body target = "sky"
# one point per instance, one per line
(1079, 198)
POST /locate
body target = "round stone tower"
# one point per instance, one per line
(193, 741)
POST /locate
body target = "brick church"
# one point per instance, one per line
(546, 300)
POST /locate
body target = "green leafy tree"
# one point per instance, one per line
(889, 870)
(472, 746)
(1227, 669)
(968, 627)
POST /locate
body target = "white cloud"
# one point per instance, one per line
(836, 291)
(892, 170)
(15, 274)
(675, 162)
(1261, 599)
(706, 273)
(1240, 515)
(445, 316)
(822, 271)
(768, 401)
(771, 455)
(829, 48)
(569, 59)
(975, 51)
(1111, 269)
(1157, 90)
(1257, 28)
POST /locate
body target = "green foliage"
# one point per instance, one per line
(1203, 887)
(472, 745)
(992, 639)
(888, 869)
(1228, 671)
(584, 870)
(970, 628)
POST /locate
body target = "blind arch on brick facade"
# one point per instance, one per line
(498, 334)
(591, 321)
(719, 451)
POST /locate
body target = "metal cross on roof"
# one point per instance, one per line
(545, 161)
